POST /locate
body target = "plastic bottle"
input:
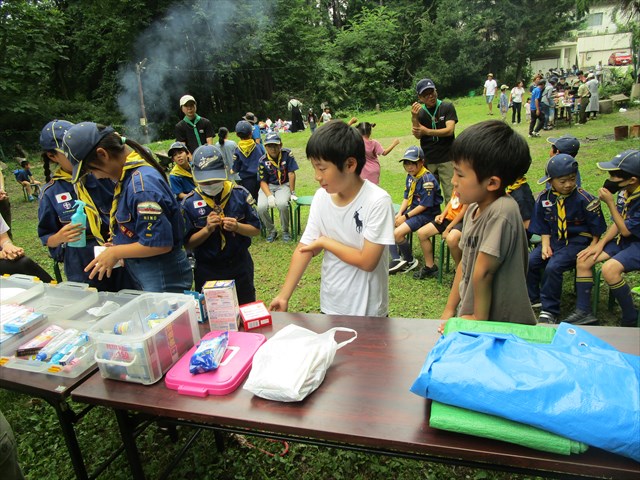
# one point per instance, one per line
(81, 218)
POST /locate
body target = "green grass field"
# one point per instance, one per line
(42, 451)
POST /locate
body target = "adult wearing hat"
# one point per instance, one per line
(489, 91)
(219, 221)
(434, 123)
(619, 248)
(295, 107)
(193, 130)
(277, 173)
(180, 176)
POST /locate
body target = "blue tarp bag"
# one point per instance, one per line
(578, 386)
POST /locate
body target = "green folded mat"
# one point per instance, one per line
(461, 420)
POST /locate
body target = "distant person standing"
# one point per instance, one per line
(312, 120)
(193, 130)
(515, 100)
(594, 100)
(228, 148)
(434, 124)
(326, 115)
(489, 91)
(583, 95)
(295, 107)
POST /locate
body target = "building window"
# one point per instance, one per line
(595, 20)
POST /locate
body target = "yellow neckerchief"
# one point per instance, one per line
(562, 216)
(517, 184)
(627, 201)
(276, 163)
(133, 161)
(219, 209)
(412, 188)
(93, 216)
(247, 146)
(180, 171)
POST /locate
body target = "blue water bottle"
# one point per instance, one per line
(81, 218)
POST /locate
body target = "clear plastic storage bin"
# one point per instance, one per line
(82, 321)
(141, 341)
(18, 288)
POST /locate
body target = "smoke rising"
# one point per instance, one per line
(190, 44)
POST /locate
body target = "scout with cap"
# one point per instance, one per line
(220, 220)
(619, 248)
(277, 173)
(193, 130)
(433, 122)
(180, 176)
(420, 206)
(246, 158)
(58, 204)
(145, 226)
(255, 134)
(565, 144)
(569, 220)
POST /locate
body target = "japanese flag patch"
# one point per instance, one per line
(199, 203)
(547, 203)
(63, 197)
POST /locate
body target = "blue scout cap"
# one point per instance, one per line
(627, 161)
(79, 141)
(244, 128)
(558, 166)
(208, 164)
(52, 135)
(424, 84)
(413, 154)
(272, 138)
(565, 144)
(175, 146)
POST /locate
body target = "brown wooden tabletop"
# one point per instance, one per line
(365, 401)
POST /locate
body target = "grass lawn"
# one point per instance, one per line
(42, 451)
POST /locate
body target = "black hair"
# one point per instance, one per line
(46, 162)
(223, 132)
(335, 142)
(24, 163)
(493, 148)
(114, 144)
(365, 128)
(622, 174)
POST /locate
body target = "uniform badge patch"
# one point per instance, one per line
(149, 208)
(199, 203)
(594, 205)
(547, 203)
(63, 197)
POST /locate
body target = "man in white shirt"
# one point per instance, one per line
(490, 87)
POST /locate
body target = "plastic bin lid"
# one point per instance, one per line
(234, 368)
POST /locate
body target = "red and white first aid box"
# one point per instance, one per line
(254, 315)
(233, 369)
(221, 300)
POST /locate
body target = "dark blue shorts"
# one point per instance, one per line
(628, 254)
(417, 221)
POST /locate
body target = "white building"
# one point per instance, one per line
(595, 43)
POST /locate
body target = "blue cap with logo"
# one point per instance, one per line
(558, 166)
(175, 147)
(627, 161)
(79, 141)
(208, 164)
(272, 138)
(52, 135)
(244, 128)
(413, 154)
(424, 84)
(565, 144)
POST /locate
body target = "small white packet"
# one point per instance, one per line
(105, 309)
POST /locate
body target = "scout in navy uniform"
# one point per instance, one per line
(569, 220)
(57, 206)
(277, 172)
(220, 220)
(619, 248)
(25, 178)
(565, 144)
(145, 226)
(421, 204)
(246, 158)
(180, 176)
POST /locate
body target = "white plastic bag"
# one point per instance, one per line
(293, 363)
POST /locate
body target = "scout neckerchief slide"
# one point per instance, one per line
(133, 161)
(219, 208)
(412, 188)
(93, 217)
(434, 117)
(193, 125)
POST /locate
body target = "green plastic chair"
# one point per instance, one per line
(298, 204)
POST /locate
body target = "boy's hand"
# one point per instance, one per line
(605, 195)
(279, 304)
(11, 252)
(446, 232)
(593, 251)
(230, 224)
(400, 219)
(314, 247)
(439, 218)
(103, 264)
(70, 232)
(546, 252)
(213, 221)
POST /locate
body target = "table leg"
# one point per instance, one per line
(127, 431)
(67, 418)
